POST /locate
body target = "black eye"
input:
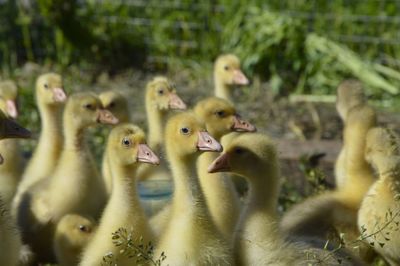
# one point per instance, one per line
(83, 228)
(239, 150)
(220, 113)
(89, 106)
(111, 105)
(126, 142)
(185, 130)
(46, 86)
(160, 91)
(226, 68)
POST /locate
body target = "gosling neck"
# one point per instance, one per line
(124, 183)
(221, 90)
(74, 135)
(264, 190)
(187, 192)
(155, 118)
(51, 124)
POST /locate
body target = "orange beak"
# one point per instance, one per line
(12, 109)
(59, 95)
(175, 102)
(146, 155)
(106, 117)
(220, 164)
(239, 78)
(242, 125)
(207, 143)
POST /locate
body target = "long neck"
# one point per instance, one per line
(51, 134)
(264, 190)
(124, 192)
(74, 135)
(359, 174)
(155, 118)
(259, 220)
(188, 194)
(221, 89)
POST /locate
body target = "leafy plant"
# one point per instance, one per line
(132, 248)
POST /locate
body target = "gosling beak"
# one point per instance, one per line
(146, 155)
(12, 109)
(239, 78)
(207, 143)
(1, 159)
(106, 117)
(241, 125)
(14, 130)
(175, 102)
(220, 164)
(59, 95)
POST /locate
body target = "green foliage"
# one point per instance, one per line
(270, 44)
(132, 248)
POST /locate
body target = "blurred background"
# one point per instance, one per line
(294, 52)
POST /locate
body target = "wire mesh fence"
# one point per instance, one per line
(188, 29)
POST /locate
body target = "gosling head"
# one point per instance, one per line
(127, 144)
(227, 70)
(161, 95)
(350, 93)
(50, 89)
(186, 135)
(8, 98)
(116, 103)
(247, 155)
(73, 232)
(85, 109)
(220, 117)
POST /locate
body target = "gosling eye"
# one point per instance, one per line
(185, 130)
(84, 228)
(226, 68)
(111, 105)
(89, 106)
(161, 91)
(220, 113)
(46, 86)
(126, 142)
(239, 151)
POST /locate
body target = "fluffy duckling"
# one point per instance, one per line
(126, 148)
(50, 98)
(10, 241)
(335, 211)
(75, 185)
(116, 103)
(190, 237)
(379, 214)
(258, 240)
(227, 73)
(220, 118)
(349, 94)
(161, 96)
(73, 233)
(11, 169)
